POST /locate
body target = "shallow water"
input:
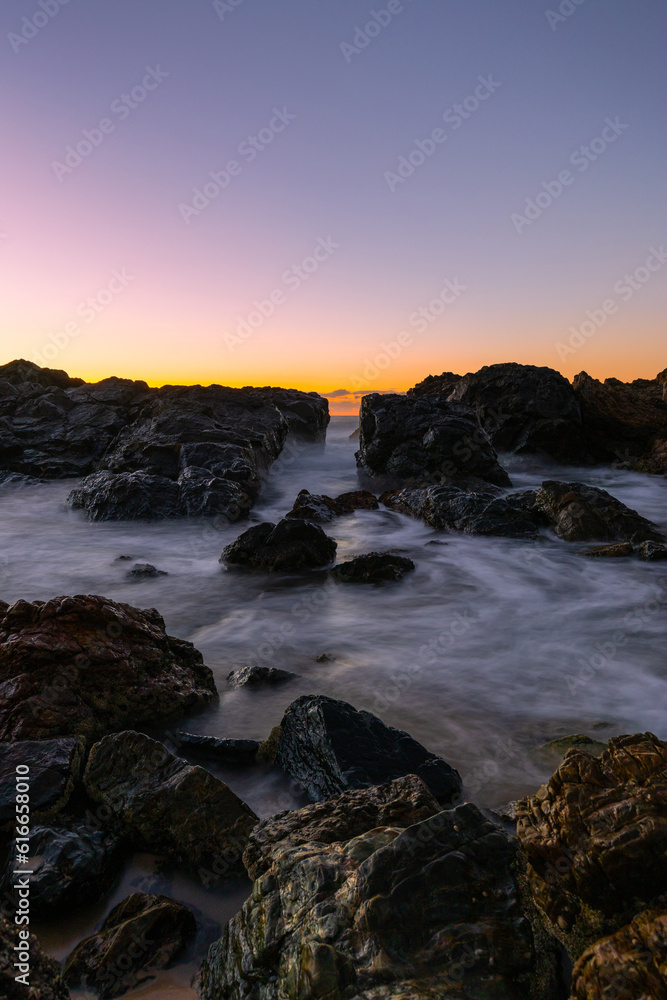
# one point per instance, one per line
(490, 648)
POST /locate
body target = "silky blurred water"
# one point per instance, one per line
(489, 649)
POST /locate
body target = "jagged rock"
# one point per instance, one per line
(619, 550)
(328, 747)
(321, 508)
(556, 749)
(283, 547)
(233, 751)
(629, 965)
(126, 496)
(476, 513)
(427, 911)
(307, 413)
(141, 935)
(73, 865)
(358, 500)
(165, 805)
(436, 385)
(86, 665)
(596, 837)
(44, 978)
(526, 409)
(424, 440)
(374, 567)
(55, 768)
(254, 676)
(581, 513)
(20, 372)
(626, 421)
(651, 551)
(202, 494)
(398, 803)
(145, 571)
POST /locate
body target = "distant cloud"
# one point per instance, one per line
(345, 402)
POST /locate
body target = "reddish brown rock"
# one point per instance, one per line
(628, 965)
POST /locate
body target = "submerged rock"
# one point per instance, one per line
(328, 747)
(321, 508)
(254, 676)
(165, 805)
(145, 571)
(619, 550)
(651, 551)
(54, 769)
(628, 965)
(44, 973)
(411, 906)
(87, 665)
(424, 440)
(581, 513)
(283, 547)
(374, 567)
(475, 513)
(596, 837)
(141, 935)
(233, 751)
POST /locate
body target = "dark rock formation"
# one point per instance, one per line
(626, 421)
(283, 547)
(165, 805)
(306, 413)
(145, 571)
(87, 665)
(424, 440)
(73, 865)
(141, 935)
(328, 747)
(44, 975)
(374, 567)
(651, 551)
(619, 550)
(254, 676)
(321, 508)
(596, 838)
(126, 496)
(423, 912)
(55, 767)
(526, 409)
(202, 494)
(581, 513)
(476, 513)
(232, 751)
(628, 965)
(436, 385)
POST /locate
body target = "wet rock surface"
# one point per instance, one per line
(86, 665)
(374, 567)
(595, 837)
(165, 805)
(141, 935)
(234, 751)
(411, 910)
(628, 965)
(285, 547)
(475, 513)
(328, 747)
(54, 769)
(423, 440)
(45, 980)
(581, 513)
(254, 676)
(145, 571)
(321, 508)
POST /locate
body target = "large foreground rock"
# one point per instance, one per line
(527, 410)
(475, 513)
(141, 935)
(45, 981)
(384, 901)
(596, 838)
(581, 513)
(284, 547)
(424, 440)
(626, 421)
(55, 767)
(628, 965)
(165, 805)
(86, 665)
(328, 747)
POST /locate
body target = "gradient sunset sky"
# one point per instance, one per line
(333, 109)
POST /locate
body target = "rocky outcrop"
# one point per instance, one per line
(527, 410)
(436, 385)
(141, 935)
(54, 769)
(377, 899)
(626, 421)
(44, 978)
(595, 837)
(424, 440)
(581, 513)
(628, 965)
(374, 567)
(165, 805)
(321, 508)
(306, 413)
(232, 751)
(475, 513)
(284, 547)
(87, 665)
(328, 747)
(254, 676)
(73, 865)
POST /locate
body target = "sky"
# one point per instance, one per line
(337, 196)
